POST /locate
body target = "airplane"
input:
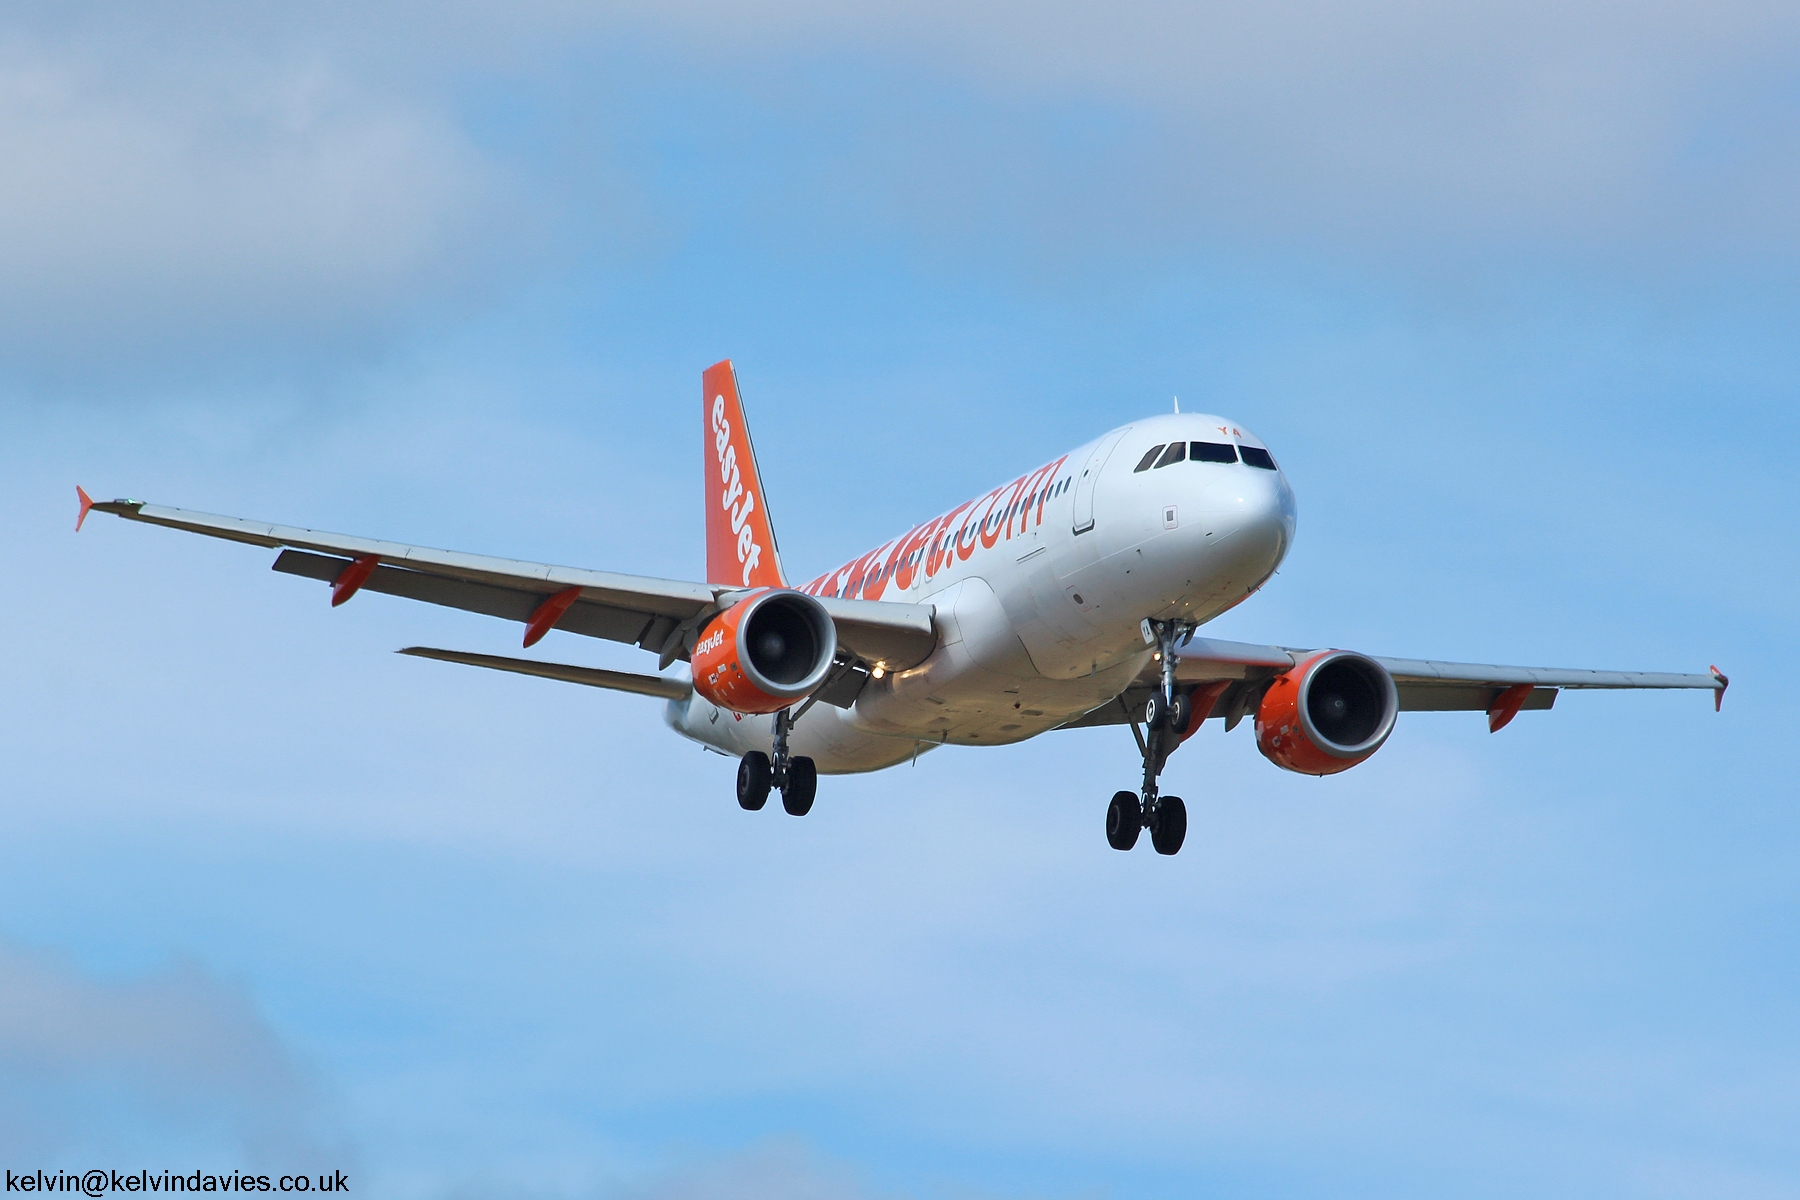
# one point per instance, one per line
(1070, 596)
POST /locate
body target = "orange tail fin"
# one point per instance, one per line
(740, 542)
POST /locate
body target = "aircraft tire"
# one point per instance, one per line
(753, 779)
(1168, 828)
(1124, 819)
(1156, 713)
(1181, 713)
(802, 785)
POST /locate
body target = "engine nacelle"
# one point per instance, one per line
(765, 652)
(1327, 714)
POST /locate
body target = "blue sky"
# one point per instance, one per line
(1509, 290)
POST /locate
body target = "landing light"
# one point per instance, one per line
(880, 670)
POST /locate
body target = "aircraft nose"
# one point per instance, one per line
(1257, 512)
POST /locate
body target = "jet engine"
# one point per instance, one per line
(1326, 714)
(764, 653)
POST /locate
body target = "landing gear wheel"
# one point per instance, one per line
(1180, 713)
(1168, 825)
(754, 775)
(1124, 818)
(802, 783)
(1156, 712)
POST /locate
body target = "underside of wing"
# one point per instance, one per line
(1423, 685)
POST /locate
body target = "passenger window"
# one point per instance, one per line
(1257, 457)
(1149, 459)
(1223, 452)
(1175, 453)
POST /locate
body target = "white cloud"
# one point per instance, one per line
(1598, 124)
(171, 1058)
(157, 199)
(197, 175)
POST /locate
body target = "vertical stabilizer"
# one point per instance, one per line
(740, 541)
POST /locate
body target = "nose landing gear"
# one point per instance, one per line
(1168, 715)
(797, 776)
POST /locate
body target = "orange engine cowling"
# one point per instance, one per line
(762, 654)
(1327, 714)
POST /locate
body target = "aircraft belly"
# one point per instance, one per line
(733, 734)
(823, 735)
(966, 705)
(839, 748)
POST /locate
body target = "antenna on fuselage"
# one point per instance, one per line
(1178, 406)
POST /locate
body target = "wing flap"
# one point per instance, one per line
(1419, 697)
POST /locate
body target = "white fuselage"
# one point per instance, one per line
(1040, 588)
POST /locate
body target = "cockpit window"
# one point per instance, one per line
(1257, 457)
(1214, 452)
(1145, 462)
(1174, 454)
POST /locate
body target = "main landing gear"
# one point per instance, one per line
(1167, 716)
(795, 775)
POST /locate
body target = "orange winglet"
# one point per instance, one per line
(1719, 696)
(352, 577)
(86, 501)
(1506, 706)
(545, 616)
(740, 542)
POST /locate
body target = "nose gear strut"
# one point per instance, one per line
(1166, 719)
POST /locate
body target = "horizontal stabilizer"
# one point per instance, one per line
(618, 681)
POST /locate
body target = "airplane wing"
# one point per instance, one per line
(1424, 685)
(660, 615)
